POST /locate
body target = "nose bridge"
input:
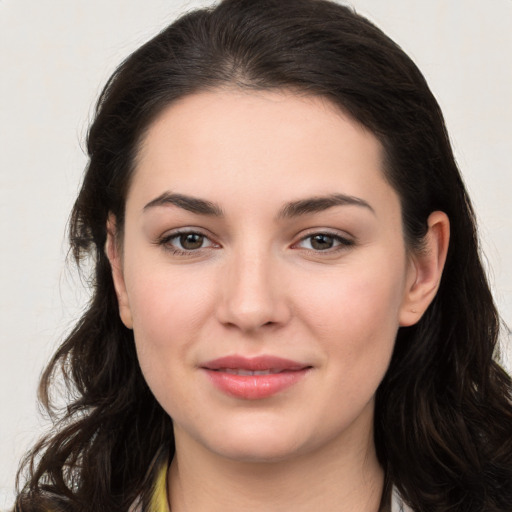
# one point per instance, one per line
(252, 296)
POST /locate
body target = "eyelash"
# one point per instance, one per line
(342, 242)
(165, 241)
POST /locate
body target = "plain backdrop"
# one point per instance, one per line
(54, 57)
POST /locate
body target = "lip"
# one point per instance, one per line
(279, 375)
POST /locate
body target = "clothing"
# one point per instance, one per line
(159, 502)
(397, 505)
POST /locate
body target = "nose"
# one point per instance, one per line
(252, 294)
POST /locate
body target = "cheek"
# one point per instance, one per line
(362, 340)
(169, 307)
(354, 313)
(354, 301)
(166, 299)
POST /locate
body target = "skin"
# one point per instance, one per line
(257, 284)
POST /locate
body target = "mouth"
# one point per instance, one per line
(254, 378)
(240, 371)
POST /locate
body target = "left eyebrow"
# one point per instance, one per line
(320, 203)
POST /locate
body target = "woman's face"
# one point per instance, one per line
(264, 273)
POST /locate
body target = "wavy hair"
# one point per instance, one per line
(443, 416)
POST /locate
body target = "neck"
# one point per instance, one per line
(339, 477)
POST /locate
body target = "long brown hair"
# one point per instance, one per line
(443, 418)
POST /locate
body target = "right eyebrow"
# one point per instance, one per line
(189, 203)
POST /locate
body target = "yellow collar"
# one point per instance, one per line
(159, 501)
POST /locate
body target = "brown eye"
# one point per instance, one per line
(191, 241)
(186, 242)
(322, 242)
(319, 242)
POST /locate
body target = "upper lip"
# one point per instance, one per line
(264, 362)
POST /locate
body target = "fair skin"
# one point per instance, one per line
(268, 269)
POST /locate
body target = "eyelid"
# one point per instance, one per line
(165, 240)
(344, 240)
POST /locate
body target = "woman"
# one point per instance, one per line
(286, 265)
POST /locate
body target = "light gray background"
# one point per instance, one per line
(54, 57)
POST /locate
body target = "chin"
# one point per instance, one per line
(260, 450)
(266, 441)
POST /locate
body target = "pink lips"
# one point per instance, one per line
(254, 378)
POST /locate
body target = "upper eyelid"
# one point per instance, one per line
(168, 242)
(341, 239)
(344, 240)
(186, 231)
(336, 233)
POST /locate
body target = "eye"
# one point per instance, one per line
(324, 242)
(185, 242)
(190, 241)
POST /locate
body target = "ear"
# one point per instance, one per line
(113, 252)
(425, 270)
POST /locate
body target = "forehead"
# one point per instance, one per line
(233, 115)
(268, 143)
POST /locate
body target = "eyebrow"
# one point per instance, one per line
(293, 209)
(320, 203)
(189, 203)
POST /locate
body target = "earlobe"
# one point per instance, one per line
(112, 250)
(426, 268)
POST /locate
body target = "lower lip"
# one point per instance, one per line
(255, 387)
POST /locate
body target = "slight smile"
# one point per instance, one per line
(254, 378)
